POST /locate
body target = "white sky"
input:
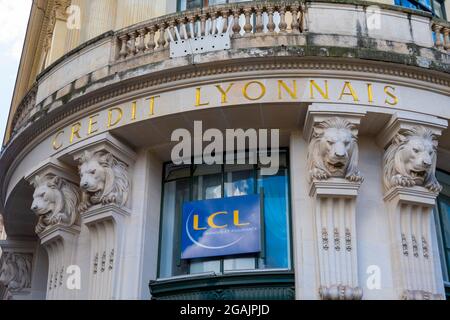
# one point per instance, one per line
(13, 20)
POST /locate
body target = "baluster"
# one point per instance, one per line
(248, 26)
(183, 29)
(162, 36)
(259, 27)
(192, 26)
(133, 43)
(446, 33)
(295, 26)
(141, 46)
(236, 26)
(151, 39)
(203, 30)
(225, 20)
(213, 23)
(124, 46)
(171, 31)
(302, 20)
(437, 30)
(283, 24)
(271, 25)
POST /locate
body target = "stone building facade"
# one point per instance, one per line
(359, 91)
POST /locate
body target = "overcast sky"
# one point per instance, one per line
(13, 18)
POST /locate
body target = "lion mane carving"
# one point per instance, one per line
(333, 151)
(15, 271)
(411, 160)
(55, 201)
(104, 180)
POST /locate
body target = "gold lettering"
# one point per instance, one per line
(196, 227)
(313, 84)
(236, 220)
(211, 220)
(198, 98)
(292, 92)
(352, 92)
(92, 123)
(111, 122)
(75, 131)
(133, 110)
(224, 93)
(56, 145)
(261, 86)
(369, 92)
(152, 104)
(390, 94)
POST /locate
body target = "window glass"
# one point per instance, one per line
(442, 215)
(202, 182)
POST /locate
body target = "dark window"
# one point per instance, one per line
(443, 226)
(202, 182)
(435, 7)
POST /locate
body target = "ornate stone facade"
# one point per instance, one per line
(83, 162)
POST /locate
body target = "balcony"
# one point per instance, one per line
(291, 32)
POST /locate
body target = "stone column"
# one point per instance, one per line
(334, 184)
(105, 167)
(55, 201)
(75, 22)
(411, 189)
(100, 17)
(16, 268)
(133, 11)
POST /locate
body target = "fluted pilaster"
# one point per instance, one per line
(100, 17)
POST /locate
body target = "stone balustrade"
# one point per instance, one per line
(441, 31)
(248, 18)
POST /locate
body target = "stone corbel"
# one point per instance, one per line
(105, 167)
(16, 268)
(58, 231)
(335, 190)
(411, 189)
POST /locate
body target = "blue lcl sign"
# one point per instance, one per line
(221, 227)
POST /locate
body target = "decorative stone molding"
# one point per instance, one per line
(333, 140)
(56, 201)
(410, 160)
(410, 193)
(16, 265)
(56, 197)
(105, 178)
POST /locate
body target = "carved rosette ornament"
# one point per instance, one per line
(15, 271)
(335, 181)
(409, 165)
(104, 180)
(55, 202)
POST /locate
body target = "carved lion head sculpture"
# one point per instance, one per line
(15, 271)
(411, 160)
(55, 201)
(333, 151)
(104, 179)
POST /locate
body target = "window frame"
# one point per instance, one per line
(289, 229)
(421, 7)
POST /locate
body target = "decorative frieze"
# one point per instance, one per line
(335, 181)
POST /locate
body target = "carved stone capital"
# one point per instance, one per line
(104, 165)
(332, 133)
(410, 158)
(56, 196)
(16, 266)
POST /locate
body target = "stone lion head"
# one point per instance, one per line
(55, 201)
(333, 151)
(104, 179)
(411, 160)
(15, 271)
